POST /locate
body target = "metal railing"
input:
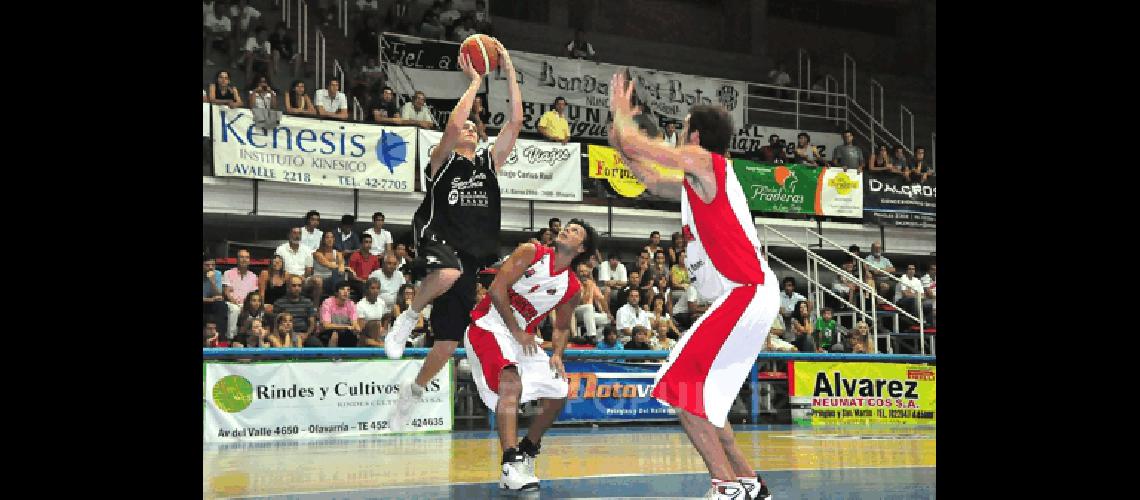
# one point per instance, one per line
(303, 29)
(319, 58)
(357, 111)
(342, 17)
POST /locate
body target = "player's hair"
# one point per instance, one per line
(715, 125)
(590, 242)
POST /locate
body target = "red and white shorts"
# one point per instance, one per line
(491, 351)
(706, 369)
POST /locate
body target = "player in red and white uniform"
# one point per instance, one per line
(704, 372)
(507, 363)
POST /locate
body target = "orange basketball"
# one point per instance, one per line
(483, 51)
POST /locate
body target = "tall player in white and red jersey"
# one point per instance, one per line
(507, 364)
(704, 372)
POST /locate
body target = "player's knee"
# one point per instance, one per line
(510, 384)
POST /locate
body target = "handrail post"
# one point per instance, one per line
(303, 28)
(285, 14)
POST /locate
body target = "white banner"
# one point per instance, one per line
(841, 194)
(205, 119)
(535, 170)
(670, 95)
(314, 152)
(753, 137)
(313, 400)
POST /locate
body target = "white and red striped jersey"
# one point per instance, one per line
(537, 292)
(722, 249)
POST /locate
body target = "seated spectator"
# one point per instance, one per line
(242, 13)
(214, 309)
(553, 125)
(237, 284)
(902, 161)
(609, 340)
(826, 335)
(391, 281)
(222, 93)
(374, 335)
(431, 27)
(640, 340)
(297, 102)
(654, 244)
(482, 17)
(381, 238)
(612, 276)
(659, 268)
(644, 269)
(803, 327)
(311, 234)
(779, 77)
(361, 265)
(846, 287)
(303, 312)
(879, 263)
(252, 309)
(331, 102)
(218, 31)
(909, 295)
(257, 336)
(849, 155)
(404, 256)
(299, 260)
(285, 47)
(679, 278)
(922, 169)
(774, 152)
(881, 161)
(210, 335)
(805, 152)
(659, 288)
(697, 305)
(465, 27)
(417, 112)
(579, 48)
(663, 340)
(631, 314)
(670, 134)
(789, 298)
(257, 49)
(930, 286)
(405, 296)
(283, 334)
(449, 14)
(775, 343)
(262, 95)
(857, 340)
(347, 241)
(339, 327)
(480, 116)
(271, 284)
(398, 18)
(384, 109)
(545, 238)
(370, 310)
(676, 245)
(328, 265)
(659, 316)
(593, 310)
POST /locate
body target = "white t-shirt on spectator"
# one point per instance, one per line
(789, 303)
(251, 45)
(408, 112)
(368, 4)
(914, 284)
(605, 274)
(368, 311)
(245, 15)
(379, 242)
(388, 286)
(332, 105)
(218, 26)
(311, 240)
(629, 316)
(295, 262)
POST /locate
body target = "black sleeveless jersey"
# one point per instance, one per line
(461, 208)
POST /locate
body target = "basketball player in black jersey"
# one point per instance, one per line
(456, 230)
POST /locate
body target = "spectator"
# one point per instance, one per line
(283, 334)
(328, 265)
(902, 161)
(326, 11)
(676, 246)
(219, 31)
(774, 152)
(680, 309)
(659, 315)
(417, 112)
(237, 283)
(554, 223)
(391, 282)
(285, 47)
(298, 259)
(857, 340)
(262, 95)
(449, 14)
(909, 295)
(644, 267)
(406, 295)
(593, 309)
(805, 152)
(545, 237)
(826, 335)
(679, 277)
(659, 287)
(849, 155)
(347, 241)
(374, 336)
(662, 341)
(660, 268)
(654, 243)
(243, 13)
(303, 312)
(846, 287)
(257, 336)
(878, 262)
(881, 161)
(384, 110)
(272, 283)
(640, 340)
(671, 133)
(930, 285)
(779, 77)
(465, 27)
(579, 48)
(252, 309)
(612, 276)
(609, 340)
(398, 18)
(922, 169)
(221, 92)
(697, 304)
(553, 125)
(297, 102)
(403, 255)
(370, 310)
(257, 49)
(214, 308)
(339, 327)
(789, 298)
(311, 235)
(431, 27)
(482, 17)
(331, 102)
(631, 314)
(480, 116)
(803, 327)
(362, 264)
(381, 238)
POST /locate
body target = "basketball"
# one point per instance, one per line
(483, 51)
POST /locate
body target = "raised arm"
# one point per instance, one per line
(458, 117)
(510, 131)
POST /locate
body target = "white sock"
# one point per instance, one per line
(417, 390)
(749, 481)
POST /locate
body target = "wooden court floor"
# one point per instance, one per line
(609, 462)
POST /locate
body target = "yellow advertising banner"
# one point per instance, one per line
(605, 163)
(862, 393)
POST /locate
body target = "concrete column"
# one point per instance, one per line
(759, 13)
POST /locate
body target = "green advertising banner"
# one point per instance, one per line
(787, 188)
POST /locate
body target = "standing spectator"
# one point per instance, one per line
(328, 265)
(431, 27)
(238, 282)
(219, 30)
(609, 340)
(803, 327)
(398, 18)
(362, 264)
(384, 109)
(779, 77)
(284, 47)
(774, 152)
(297, 102)
(283, 334)
(298, 259)
(381, 238)
(303, 312)
(338, 319)
(553, 125)
(849, 155)
(271, 284)
(214, 308)
(257, 49)
(370, 311)
(311, 234)
(671, 133)
(789, 298)
(222, 92)
(922, 169)
(640, 340)
(909, 296)
(881, 161)
(331, 102)
(631, 314)
(347, 241)
(390, 280)
(579, 48)
(805, 152)
(826, 335)
(417, 112)
(593, 309)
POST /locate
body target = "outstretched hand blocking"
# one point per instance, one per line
(621, 94)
